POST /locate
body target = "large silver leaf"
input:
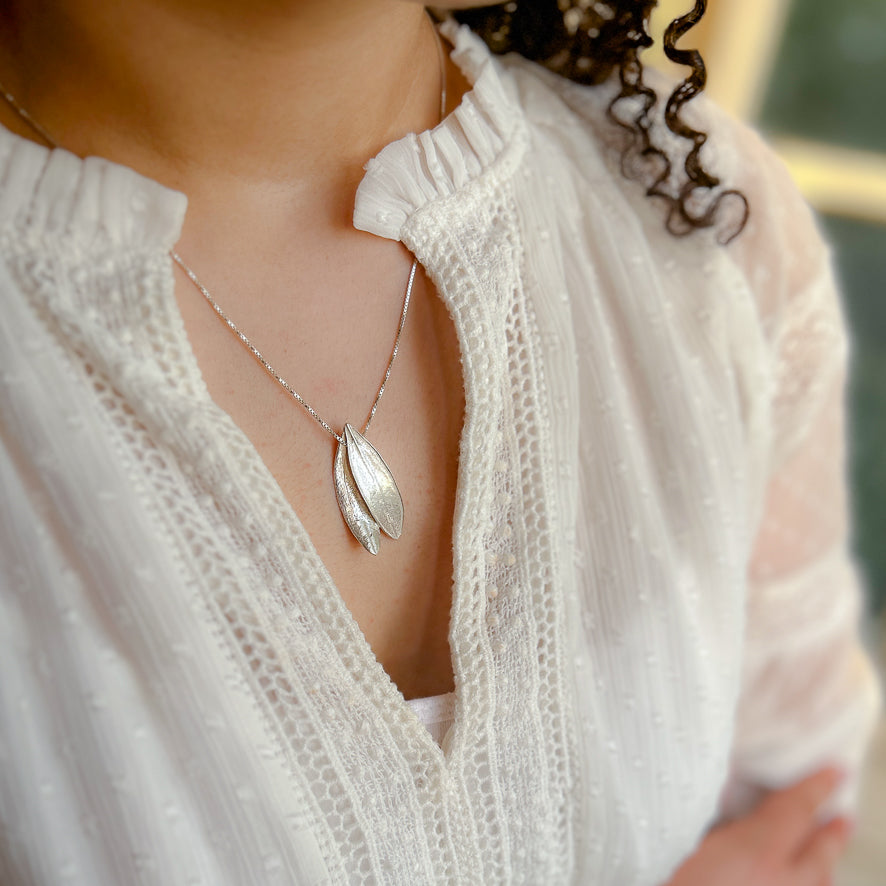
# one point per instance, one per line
(375, 482)
(352, 506)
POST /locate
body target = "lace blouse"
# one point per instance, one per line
(653, 600)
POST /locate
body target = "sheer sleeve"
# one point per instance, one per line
(809, 696)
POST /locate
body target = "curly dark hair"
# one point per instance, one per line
(586, 41)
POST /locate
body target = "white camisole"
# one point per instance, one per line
(436, 713)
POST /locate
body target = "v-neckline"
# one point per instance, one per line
(374, 681)
(139, 213)
(371, 676)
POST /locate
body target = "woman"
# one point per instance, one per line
(613, 522)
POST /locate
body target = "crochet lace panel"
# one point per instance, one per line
(385, 804)
(697, 395)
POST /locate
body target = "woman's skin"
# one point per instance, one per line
(264, 114)
(783, 842)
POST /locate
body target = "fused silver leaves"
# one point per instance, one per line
(375, 482)
(367, 494)
(352, 507)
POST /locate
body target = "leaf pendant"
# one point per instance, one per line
(351, 505)
(375, 482)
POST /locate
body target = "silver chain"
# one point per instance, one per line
(13, 103)
(273, 372)
(44, 134)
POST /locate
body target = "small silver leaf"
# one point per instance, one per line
(352, 506)
(375, 482)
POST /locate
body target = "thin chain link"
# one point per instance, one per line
(396, 348)
(273, 372)
(11, 101)
(44, 134)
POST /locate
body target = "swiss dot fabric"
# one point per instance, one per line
(654, 610)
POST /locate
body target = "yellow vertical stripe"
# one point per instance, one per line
(739, 40)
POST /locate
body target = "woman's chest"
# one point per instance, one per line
(400, 597)
(586, 559)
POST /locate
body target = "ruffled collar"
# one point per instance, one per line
(90, 204)
(483, 132)
(97, 204)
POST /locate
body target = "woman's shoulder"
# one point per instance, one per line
(770, 293)
(780, 251)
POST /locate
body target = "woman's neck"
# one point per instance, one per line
(262, 93)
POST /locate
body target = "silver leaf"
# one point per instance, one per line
(352, 506)
(375, 482)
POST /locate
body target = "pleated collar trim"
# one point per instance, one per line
(96, 204)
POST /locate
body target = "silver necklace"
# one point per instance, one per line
(367, 494)
(365, 489)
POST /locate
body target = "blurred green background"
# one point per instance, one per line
(829, 80)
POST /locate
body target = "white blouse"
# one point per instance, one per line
(653, 599)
